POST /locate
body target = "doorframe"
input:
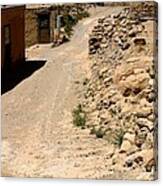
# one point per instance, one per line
(39, 28)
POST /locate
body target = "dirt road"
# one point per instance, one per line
(39, 139)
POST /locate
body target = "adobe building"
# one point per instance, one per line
(39, 23)
(12, 37)
(43, 22)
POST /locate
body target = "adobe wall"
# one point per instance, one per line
(14, 17)
(31, 26)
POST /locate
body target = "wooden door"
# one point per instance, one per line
(44, 28)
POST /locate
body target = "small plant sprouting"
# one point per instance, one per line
(93, 130)
(79, 116)
(98, 132)
(118, 137)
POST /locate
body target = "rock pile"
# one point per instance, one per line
(121, 93)
(117, 30)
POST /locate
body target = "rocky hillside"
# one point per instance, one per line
(120, 97)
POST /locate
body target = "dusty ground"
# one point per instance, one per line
(39, 139)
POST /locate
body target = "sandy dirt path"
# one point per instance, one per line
(39, 139)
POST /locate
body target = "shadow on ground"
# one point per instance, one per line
(10, 80)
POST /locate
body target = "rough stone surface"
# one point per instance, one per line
(123, 88)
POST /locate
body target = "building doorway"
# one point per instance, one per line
(44, 27)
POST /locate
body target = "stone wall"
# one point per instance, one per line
(121, 92)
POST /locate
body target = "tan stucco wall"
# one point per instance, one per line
(31, 26)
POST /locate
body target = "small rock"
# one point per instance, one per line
(143, 122)
(103, 45)
(139, 41)
(125, 46)
(130, 137)
(150, 164)
(125, 147)
(103, 70)
(132, 33)
(129, 163)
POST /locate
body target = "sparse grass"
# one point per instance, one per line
(83, 14)
(118, 137)
(93, 130)
(69, 21)
(79, 117)
(98, 132)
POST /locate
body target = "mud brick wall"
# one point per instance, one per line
(52, 24)
(14, 18)
(31, 26)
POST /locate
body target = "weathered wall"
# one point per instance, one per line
(52, 25)
(31, 27)
(14, 17)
